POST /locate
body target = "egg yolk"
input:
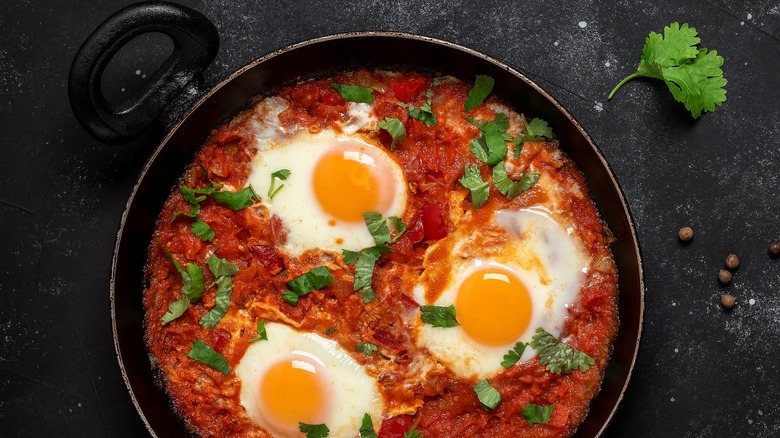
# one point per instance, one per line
(350, 180)
(293, 390)
(493, 306)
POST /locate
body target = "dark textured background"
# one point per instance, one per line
(702, 371)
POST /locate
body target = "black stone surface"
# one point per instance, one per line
(702, 371)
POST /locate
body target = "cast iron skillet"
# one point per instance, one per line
(195, 45)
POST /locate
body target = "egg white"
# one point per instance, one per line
(351, 392)
(543, 255)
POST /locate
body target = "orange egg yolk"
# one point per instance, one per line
(350, 180)
(493, 306)
(293, 390)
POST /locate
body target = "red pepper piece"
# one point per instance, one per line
(407, 91)
(268, 258)
(433, 222)
(395, 427)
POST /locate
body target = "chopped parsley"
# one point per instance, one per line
(693, 75)
(438, 316)
(202, 230)
(354, 93)
(536, 414)
(367, 348)
(223, 271)
(261, 333)
(379, 230)
(510, 188)
(488, 396)
(472, 180)
(315, 279)
(364, 269)
(330, 330)
(513, 355)
(280, 175)
(236, 200)
(558, 356)
(479, 92)
(424, 113)
(314, 430)
(490, 146)
(192, 288)
(367, 427)
(395, 128)
(206, 355)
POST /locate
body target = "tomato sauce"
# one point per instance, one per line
(439, 404)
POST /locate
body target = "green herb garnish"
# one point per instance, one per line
(314, 430)
(202, 230)
(261, 333)
(513, 355)
(223, 271)
(206, 355)
(557, 355)
(488, 396)
(367, 427)
(280, 175)
(377, 226)
(236, 200)
(354, 93)
(509, 188)
(472, 180)
(536, 414)
(192, 288)
(438, 316)
(424, 113)
(330, 330)
(364, 269)
(315, 279)
(395, 128)
(412, 433)
(693, 75)
(367, 348)
(481, 90)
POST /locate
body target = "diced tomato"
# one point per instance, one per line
(407, 91)
(268, 258)
(433, 222)
(227, 136)
(409, 301)
(219, 338)
(416, 232)
(395, 427)
(386, 338)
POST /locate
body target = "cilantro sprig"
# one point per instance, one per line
(483, 85)
(395, 128)
(424, 113)
(513, 355)
(693, 75)
(558, 356)
(479, 188)
(280, 175)
(314, 430)
(439, 316)
(354, 93)
(366, 348)
(262, 335)
(367, 427)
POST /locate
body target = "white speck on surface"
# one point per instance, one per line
(143, 76)
(760, 412)
(138, 72)
(674, 304)
(672, 399)
(741, 23)
(676, 350)
(607, 64)
(79, 404)
(750, 421)
(751, 301)
(749, 16)
(556, 43)
(598, 106)
(123, 90)
(582, 24)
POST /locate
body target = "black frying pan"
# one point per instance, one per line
(195, 45)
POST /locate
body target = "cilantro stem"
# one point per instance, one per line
(628, 78)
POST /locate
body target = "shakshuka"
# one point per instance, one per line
(381, 254)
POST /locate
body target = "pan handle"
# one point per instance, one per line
(195, 44)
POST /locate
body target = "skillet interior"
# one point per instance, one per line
(323, 56)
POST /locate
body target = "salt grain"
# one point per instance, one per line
(751, 301)
(582, 24)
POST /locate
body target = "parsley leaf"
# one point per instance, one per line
(176, 309)
(236, 200)
(367, 348)
(220, 266)
(488, 396)
(472, 180)
(364, 270)
(367, 427)
(693, 75)
(221, 303)
(424, 113)
(513, 355)
(412, 433)
(395, 128)
(377, 226)
(206, 355)
(314, 430)
(481, 90)
(314, 279)
(192, 288)
(490, 147)
(557, 355)
(261, 333)
(330, 330)
(202, 230)
(438, 316)
(537, 128)
(354, 93)
(509, 188)
(536, 414)
(281, 175)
